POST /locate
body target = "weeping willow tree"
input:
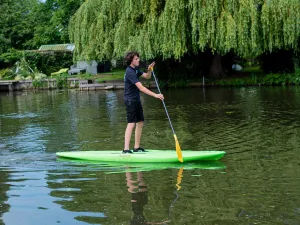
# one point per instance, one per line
(105, 29)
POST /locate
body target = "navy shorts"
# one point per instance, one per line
(134, 111)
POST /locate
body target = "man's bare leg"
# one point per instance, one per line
(138, 134)
(128, 133)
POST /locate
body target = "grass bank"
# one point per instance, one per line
(115, 74)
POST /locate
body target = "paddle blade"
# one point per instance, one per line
(178, 149)
(179, 178)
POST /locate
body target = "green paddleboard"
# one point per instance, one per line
(145, 157)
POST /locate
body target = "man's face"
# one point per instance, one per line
(135, 61)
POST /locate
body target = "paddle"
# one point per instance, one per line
(178, 149)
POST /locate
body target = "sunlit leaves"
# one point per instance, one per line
(105, 29)
(280, 24)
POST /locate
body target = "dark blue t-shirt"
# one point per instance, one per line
(131, 77)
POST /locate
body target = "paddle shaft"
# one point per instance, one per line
(163, 102)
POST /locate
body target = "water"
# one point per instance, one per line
(255, 183)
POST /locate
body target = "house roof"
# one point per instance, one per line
(57, 47)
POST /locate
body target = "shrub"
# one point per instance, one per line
(9, 58)
(7, 74)
(49, 62)
(61, 81)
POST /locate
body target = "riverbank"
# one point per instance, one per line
(68, 83)
(114, 80)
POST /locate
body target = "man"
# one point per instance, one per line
(134, 110)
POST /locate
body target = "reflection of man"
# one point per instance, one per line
(139, 197)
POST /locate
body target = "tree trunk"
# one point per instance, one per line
(216, 68)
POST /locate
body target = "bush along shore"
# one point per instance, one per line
(259, 80)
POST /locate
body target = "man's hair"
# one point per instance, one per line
(129, 57)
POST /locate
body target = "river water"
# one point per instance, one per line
(255, 183)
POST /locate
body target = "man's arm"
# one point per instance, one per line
(149, 73)
(148, 92)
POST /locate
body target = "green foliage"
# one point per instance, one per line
(23, 69)
(294, 78)
(37, 80)
(52, 19)
(62, 80)
(7, 74)
(10, 57)
(4, 43)
(100, 80)
(268, 80)
(48, 63)
(271, 79)
(17, 22)
(38, 84)
(172, 28)
(85, 76)
(280, 24)
(27, 24)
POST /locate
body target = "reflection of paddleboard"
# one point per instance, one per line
(119, 167)
(150, 156)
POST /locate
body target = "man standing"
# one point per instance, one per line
(134, 109)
